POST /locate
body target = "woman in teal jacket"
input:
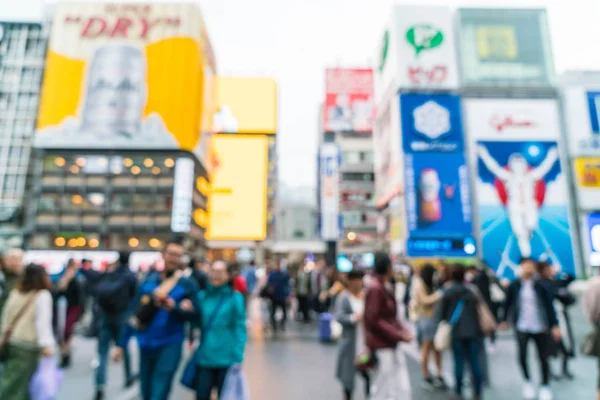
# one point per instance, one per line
(223, 324)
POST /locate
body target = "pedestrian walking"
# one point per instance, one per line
(159, 324)
(459, 305)
(11, 273)
(114, 291)
(303, 291)
(278, 285)
(249, 273)
(222, 321)
(591, 308)
(68, 308)
(424, 298)
(26, 332)
(529, 303)
(350, 308)
(383, 331)
(562, 300)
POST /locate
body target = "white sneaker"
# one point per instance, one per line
(529, 392)
(545, 393)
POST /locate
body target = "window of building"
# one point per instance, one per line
(298, 234)
(358, 177)
(48, 202)
(121, 202)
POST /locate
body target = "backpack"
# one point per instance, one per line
(114, 293)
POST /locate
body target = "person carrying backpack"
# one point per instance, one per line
(115, 291)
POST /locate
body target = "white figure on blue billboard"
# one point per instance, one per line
(520, 181)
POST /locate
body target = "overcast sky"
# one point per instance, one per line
(295, 40)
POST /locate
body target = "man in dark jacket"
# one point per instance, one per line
(459, 307)
(112, 314)
(278, 284)
(529, 302)
(383, 331)
(160, 332)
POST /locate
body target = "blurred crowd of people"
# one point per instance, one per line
(369, 311)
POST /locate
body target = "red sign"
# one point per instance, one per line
(501, 123)
(349, 100)
(425, 76)
(132, 21)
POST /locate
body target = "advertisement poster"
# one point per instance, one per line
(582, 119)
(438, 207)
(587, 182)
(387, 156)
(349, 103)
(110, 80)
(522, 195)
(505, 47)
(511, 119)
(417, 50)
(593, 226)
(329, 181)
(431, 123)
(237, 205)
(246, 105)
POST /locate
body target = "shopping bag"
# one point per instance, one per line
(235, 386)
(443, 336)
(45, 383)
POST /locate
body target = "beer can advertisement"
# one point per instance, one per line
(237, 204)
(438, 205)
(329, 187)
(522, 195)
(349, 100)
(582, 119)
(505, 47)
(246, 105)
(127, 76)
(431, 123)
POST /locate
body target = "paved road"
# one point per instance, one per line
(298, 367)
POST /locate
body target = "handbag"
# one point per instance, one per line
(45, 383)
(147, 308)
(443, 334)
(235, 386)
(365, 361)
(11, 327)
(487, 321)
(190, 372)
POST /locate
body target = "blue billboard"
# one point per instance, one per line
(431, 123)
(438, 205)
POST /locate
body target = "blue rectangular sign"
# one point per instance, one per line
(438, 205)
(431, 123)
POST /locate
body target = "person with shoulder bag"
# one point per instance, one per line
(383, 330)
(222, 322)
(158, 322)
(349, 311)
(26, 333)
(459, 306)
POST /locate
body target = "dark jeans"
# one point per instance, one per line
(209, 379)
(157, 370)
(275, 304)
(109, 330)
(304, 307)
(467, 350)
(542, 343)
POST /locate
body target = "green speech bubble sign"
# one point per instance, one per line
(424, 37)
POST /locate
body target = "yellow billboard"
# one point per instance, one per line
(246, 105)
(127, 76)
(588, 172)
(237, 204)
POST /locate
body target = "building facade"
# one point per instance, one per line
(22, 59)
